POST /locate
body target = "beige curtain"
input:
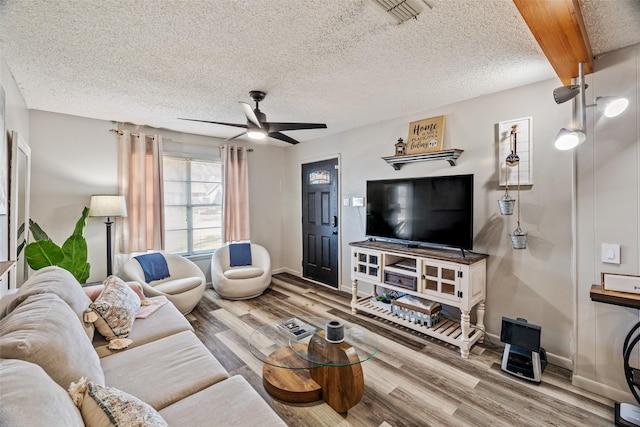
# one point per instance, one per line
(235, 167)
(140, 181)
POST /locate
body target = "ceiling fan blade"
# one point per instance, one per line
(237, 136)
(283, 137)
(277, 127)
(251, 115)
(216, 123)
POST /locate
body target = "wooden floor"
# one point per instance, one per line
(414, 380)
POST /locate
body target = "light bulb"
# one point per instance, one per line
(568, 139)
(256, 134)
(611, 106)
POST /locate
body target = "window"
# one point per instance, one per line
(192, 204)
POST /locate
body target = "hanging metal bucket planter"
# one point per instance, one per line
(519, 238)
(506, 204)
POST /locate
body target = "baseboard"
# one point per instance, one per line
(280, 270)
(602, 389)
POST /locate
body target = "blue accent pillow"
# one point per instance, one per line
(239, 254)
(154, 266)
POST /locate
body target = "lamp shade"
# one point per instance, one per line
(611, 106)
(565, 93)
(567, 139)
(103, 205)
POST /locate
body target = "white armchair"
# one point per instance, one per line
(241, 282)
(184, 287)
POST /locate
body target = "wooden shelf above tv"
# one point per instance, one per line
(450, 156)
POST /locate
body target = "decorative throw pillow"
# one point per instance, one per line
(107, 406)
(114, 311)
(239, 254)
(94, 291)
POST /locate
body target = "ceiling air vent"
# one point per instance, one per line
(399, 11)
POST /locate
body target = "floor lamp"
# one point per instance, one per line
(110, 207)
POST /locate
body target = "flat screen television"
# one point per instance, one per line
(432, 211)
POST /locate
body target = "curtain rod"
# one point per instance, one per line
(119, 132)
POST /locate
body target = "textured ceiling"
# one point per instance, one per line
(340, 62)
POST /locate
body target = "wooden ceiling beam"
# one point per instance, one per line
(559, 29)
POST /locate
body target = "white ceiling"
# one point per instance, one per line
(339, 62)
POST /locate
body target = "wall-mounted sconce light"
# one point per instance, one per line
(610, 106)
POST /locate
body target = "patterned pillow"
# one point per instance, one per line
(114, 311)
(107, 406)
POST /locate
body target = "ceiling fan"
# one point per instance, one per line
(258, 127)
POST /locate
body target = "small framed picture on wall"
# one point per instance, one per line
(514, 152)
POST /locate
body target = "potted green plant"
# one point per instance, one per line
(72, 256)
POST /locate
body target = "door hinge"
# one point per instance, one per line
(459, 273)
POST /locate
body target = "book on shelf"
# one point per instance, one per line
(296, 328)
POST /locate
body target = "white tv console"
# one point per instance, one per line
(439, 275)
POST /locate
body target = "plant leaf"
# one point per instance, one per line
(43, 253)
(75, 254)
(38, 233)
(82, 223)
(83, 275)
(20, 247)
(20, 230)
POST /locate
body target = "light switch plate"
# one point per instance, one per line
(611, 253)
(345, 202)
(357, 201)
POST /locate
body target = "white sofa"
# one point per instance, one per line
(241, 282)
(45, 345)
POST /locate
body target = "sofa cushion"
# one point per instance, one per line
(231, 402)
(243, 272)
(116, 309)
(60, 282)
(45, 331)
(166, 321)
(178, 286)
(164, 371)
(107, 406)
(29, 397)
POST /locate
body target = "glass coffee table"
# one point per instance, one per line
(301, 365)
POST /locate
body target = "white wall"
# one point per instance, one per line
(534, 283)
(75, 157)
(16, 119)
(608, 196)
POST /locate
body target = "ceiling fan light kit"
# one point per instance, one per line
(257, 126)
(609, 106)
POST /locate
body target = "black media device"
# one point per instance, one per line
(523, 356)
(432, 211)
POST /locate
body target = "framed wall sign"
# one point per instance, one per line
(426, 136)
(514, 152)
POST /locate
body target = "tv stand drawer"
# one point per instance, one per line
(400, 280)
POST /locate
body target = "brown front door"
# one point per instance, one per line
(320, 221)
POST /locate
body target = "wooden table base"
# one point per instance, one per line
(289, 385)
(341, 387)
